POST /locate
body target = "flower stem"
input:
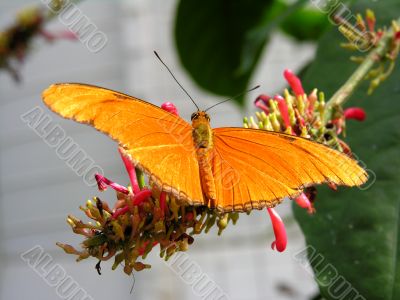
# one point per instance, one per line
(347, 89)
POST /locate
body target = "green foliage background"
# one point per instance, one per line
(358, 231)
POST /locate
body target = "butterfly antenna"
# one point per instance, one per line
(176, 80)
(226, 100)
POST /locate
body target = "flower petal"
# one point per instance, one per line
(356, 113)
(279, 230)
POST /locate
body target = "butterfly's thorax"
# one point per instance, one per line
(203, 140)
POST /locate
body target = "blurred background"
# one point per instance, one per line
(38, 190)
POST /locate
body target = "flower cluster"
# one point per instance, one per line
(15, 41)
(141, 219)
(305, 115)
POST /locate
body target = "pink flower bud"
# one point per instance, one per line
(294, 82)
(170, 107)
(279, 231)
(356, 113)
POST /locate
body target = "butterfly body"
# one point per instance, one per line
(203, 140)
(229, 168)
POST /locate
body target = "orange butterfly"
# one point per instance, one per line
(228, 168)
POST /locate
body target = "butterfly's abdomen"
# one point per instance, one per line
(206, 174)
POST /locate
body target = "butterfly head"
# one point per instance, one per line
(199, 116)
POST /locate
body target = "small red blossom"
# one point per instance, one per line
(294, 82)
(279, 230)
(356, 113)
(304, 202)
(170, 107)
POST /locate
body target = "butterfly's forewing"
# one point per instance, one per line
(255, 168)
(158, 142)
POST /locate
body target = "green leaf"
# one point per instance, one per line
(306, 24)
(358, 232)
(210, 36)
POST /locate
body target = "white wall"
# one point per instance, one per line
(38, 190)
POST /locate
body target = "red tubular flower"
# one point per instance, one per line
(356, 113)
(283, 108)
(279, 231)
(304, 202)
(130, 168)
(294, 82)
(170, 107)
(139, 198)
(262, 103)
(103, 182)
